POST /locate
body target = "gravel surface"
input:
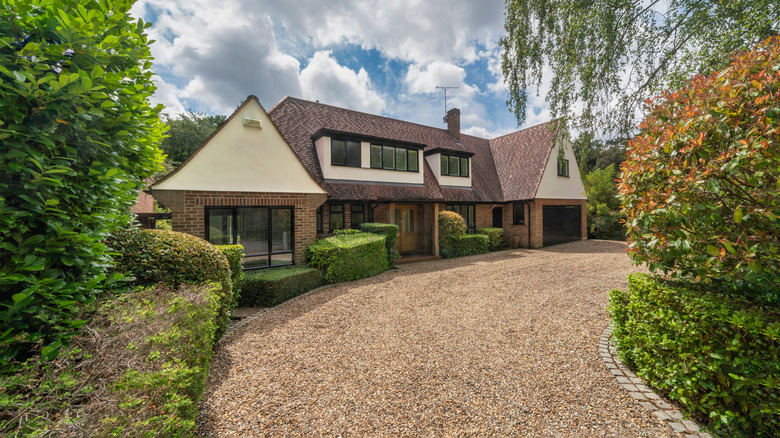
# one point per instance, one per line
(498, 344)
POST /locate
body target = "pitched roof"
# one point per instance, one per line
(520, 159)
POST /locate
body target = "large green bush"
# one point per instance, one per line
(349, 257)
(470, 244)
(451, 227)
(390, 231)
(495, 237)
(77, 138)
(717, 355)
(169, 257)
(701, 186)
(269, 287)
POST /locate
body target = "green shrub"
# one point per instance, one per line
(349, 257)
(345, 232)
(269, 287)
(470, 244)
(137, 370)
(235, 256)
(158, 256)
(495, 237)
(700, 186)
(451, 227)
(77, 139)
(605, 225)
(715, 354)
(390, 231)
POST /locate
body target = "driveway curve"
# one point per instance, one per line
(500, 344)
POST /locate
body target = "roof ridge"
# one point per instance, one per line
(525, 129)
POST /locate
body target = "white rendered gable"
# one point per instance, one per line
(553, 186)
(243, 157)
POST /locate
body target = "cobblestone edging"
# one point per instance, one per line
(643, 394)
(244, 321)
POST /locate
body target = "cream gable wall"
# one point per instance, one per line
(244, 159)
(553, 186)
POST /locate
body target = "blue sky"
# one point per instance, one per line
(381, 57)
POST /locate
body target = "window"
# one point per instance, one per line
(345, 153)
(394, 158)
(319, 219)
(518, 213)
(563, 167)
(336, 217)
(266, 233)
(357, 216)
(466, 211)
(454, 166)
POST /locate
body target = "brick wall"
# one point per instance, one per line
(189, 211)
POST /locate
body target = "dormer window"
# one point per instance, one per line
(394, 158)
(345, 153)
(454, 166)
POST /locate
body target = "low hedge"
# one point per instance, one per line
(495, 237)
(172, 258)
(137, 369)
(716, 355)
(349, 257)
(269, 287)
(235, 257)
(470, 244)
(390, 231)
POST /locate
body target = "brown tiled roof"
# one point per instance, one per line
(520, 159)
(298, 120)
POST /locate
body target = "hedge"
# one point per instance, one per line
(172, 258)
(349, 257)
(495, 237)
(269, 287)
(390, 231)
(470, 244)
(138, 369)
(717, 355)
(235, 257)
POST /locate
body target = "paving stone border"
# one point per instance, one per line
(642, 393)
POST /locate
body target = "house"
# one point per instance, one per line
(276, 181)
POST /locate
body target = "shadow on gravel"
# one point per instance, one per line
(589, 247)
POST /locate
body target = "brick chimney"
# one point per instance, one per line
(453, 123)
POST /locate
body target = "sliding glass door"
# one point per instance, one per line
(266, 233)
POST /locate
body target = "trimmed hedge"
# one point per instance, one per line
(470, 244)
(715, 354)
(172, 258)
(269, 287)
(451, 227)
(349, 257)
(235, 256)
(495, 237)
(390, 231)
(345, 232)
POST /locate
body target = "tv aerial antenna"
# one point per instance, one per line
(445, 99)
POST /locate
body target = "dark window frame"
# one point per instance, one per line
(318, 220)
(460, 164)
(234, 236)
(331, 214)
(352, 215)
(563, 167)
(395, 166)
(521, 220)
(346, 152)
(471, 228)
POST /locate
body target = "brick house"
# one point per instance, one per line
(275, 181)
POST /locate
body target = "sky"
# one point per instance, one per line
(380, 57)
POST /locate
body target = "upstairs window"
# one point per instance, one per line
(454, 166)
(563, 167)
(394, 158)
(518, 216)
(466, 211)
(345, 153)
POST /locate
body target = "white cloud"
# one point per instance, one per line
(327, 81)
(425, 79)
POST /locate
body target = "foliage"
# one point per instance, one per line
(269, 287)
(451, 227)
(345, 231)
(137, 369)
(495, 237)
(595, 154)
(235, 257)
(172, 258)
(716, 355)
(701, 186)
(470, 244)
(602, 52)
(77, 139)
(187, 132)
(603, 204)
(390, 231)
(606, 226)
(349, 257)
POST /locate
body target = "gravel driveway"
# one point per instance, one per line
(498, 344)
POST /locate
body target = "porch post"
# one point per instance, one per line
(436, 229)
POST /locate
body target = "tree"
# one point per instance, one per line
(607, 56)
(595, 154)
(187, 132)
(78, 139)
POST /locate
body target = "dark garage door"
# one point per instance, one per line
(561, 224)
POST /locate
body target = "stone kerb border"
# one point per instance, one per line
(643, 394)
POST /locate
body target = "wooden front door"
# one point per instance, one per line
(406, 217)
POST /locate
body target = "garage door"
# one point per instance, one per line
(561, 224)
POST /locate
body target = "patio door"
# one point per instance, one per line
(406, 217)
